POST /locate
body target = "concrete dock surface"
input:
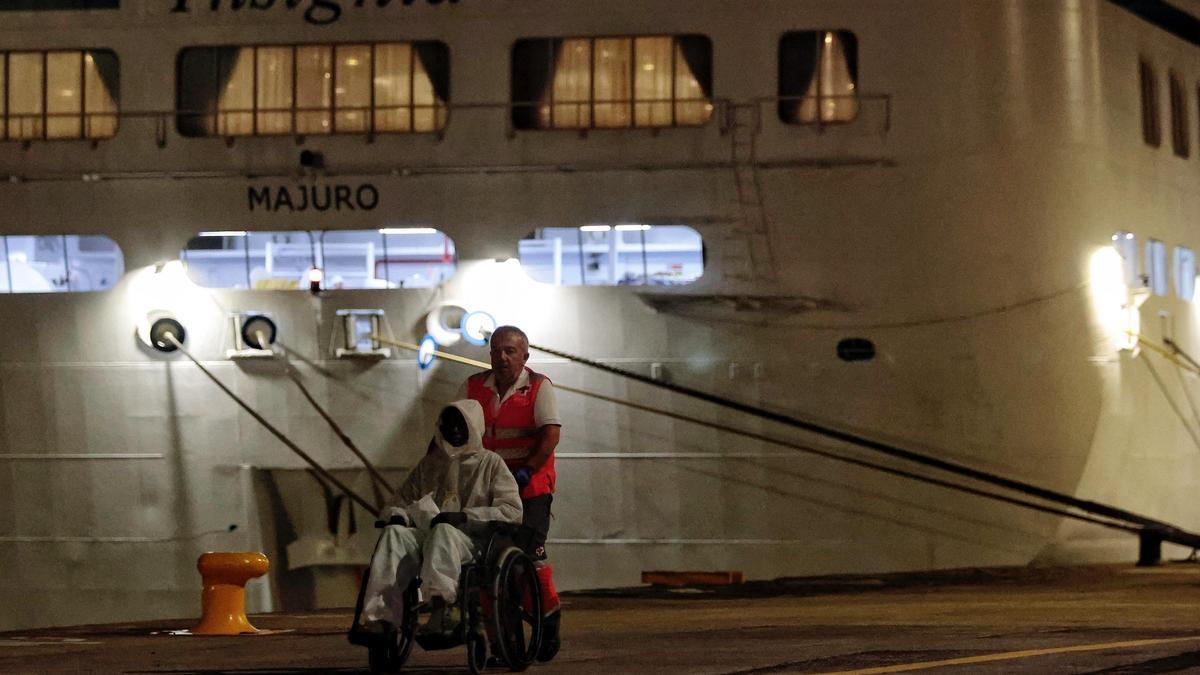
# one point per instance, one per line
(1093, 619)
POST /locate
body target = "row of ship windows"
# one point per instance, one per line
(1152, 132)
(419, 257)
(613, 82)
(1150, 269)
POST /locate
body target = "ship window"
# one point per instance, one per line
(59, 263)
(399, 87)
(58, 95)
(612, 82)
(1151, 128)
(605, 255)
(1185, 272)
(1179, 113)
(56, 5)
(1156, 266)
(414, 257)
(818, 77)
(1126, 246)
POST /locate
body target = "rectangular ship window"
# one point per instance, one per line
(59, 263)
(1151, 126)
(612, 82)
(399, 87)
(56, 5)
(1185, 273)
(614, 255)
(58, 95)
(1156, 266)
(406, 257)
(818, 77)
(1179, 116)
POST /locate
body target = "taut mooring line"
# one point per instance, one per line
(277, 433)
(1168, 531)
(799, 448)
(374, 472)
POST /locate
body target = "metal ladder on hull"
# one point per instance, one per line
(746, 250)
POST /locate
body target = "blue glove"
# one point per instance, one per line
(522, 474)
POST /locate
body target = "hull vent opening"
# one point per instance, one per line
(856, 349)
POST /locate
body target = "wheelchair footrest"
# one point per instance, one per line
(436, 641)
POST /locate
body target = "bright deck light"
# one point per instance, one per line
(1114, 310)
(408, 230)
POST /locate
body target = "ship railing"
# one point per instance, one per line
(854, 114)
(851, 115)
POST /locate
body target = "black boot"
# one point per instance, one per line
(551, 640)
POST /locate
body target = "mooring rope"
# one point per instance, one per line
(794, 446)
(277, 433)
(374, 472)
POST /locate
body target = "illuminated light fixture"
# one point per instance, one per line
(352, 61)
(170, 268)
(426, 352)
(408, 230)
(632, 228)
(223, 233)
(444, 322)
(1114, 307)
(477, 326)
(315, 277)
(595, 228)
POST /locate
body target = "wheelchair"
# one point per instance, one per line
(499, 600)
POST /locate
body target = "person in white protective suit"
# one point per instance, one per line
(451, 494)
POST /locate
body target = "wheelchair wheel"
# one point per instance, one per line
(389, 654)
(476, 653)
(517, 609)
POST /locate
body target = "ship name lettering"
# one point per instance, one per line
(339, 197)
(317, 12)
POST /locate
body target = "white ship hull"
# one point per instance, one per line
(955, 224)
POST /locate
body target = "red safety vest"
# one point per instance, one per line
(512, 432)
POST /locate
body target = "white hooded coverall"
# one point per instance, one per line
(465, 478)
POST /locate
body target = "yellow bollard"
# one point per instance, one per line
(223, 601)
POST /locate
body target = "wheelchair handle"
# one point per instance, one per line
(394, 520)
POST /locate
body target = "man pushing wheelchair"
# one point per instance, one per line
(452, 539)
